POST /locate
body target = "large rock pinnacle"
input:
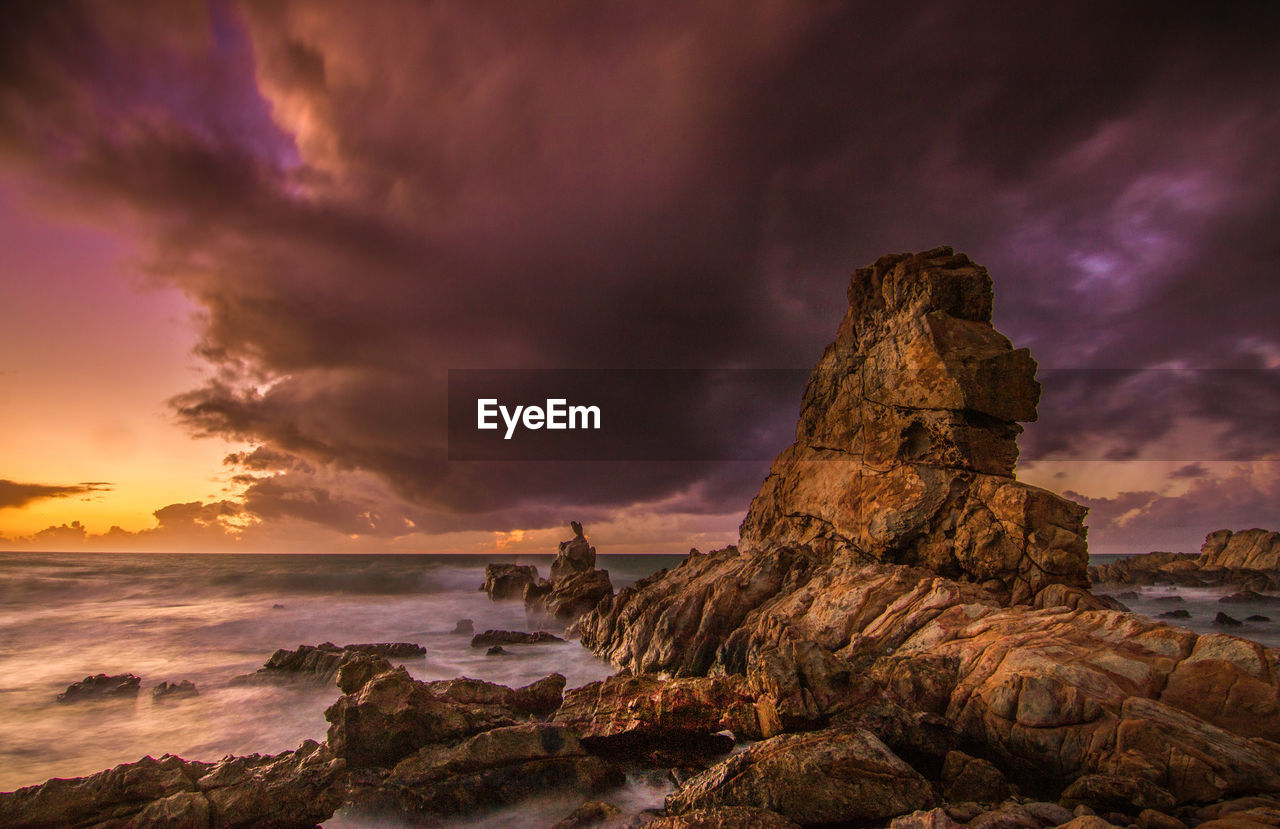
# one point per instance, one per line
(906, 443)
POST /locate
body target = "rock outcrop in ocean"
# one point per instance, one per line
(575, 586)
(1248, 559)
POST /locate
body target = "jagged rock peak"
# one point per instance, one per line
(907, 439)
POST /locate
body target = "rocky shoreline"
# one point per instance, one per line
(1248, 560)
(905, 637)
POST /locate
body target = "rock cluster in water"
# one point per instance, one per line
(1249, 559)
(575, 586)
(319, 664)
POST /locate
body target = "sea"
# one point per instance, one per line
(210, 617)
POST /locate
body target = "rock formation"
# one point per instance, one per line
(907, 440)
(575, 587)
(294, 789)
(574, 555)
(102, 686)
(1249, 559)
(512, 637)
(174, 690)
(1245, 550)
(508, 581)
(319, 664)
(894, 579)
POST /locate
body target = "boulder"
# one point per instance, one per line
(319, 664)
(393, 715)
(512, 637)
(973, 779)
(664, 723)
(829, 776)
(299, 789)
(507, 581)
(491, 769)
(101, 686)
(464, 627)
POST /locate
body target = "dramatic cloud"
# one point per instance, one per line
(14, 494)
(361, 200)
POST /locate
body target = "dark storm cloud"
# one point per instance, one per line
(360, 201)
(14, 494)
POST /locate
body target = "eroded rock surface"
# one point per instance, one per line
(493, 768)
(393, 715)
(659, 722)
(906, 443)
(507, 581)
(295, 789)
(894, 579)
(821, 777)
(319, 664)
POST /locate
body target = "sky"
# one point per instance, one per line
(241, 246)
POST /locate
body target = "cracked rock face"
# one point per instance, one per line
(906, 443)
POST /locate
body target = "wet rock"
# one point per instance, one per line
(507, 581)
(1180, 613)
(907, 440)
(1169, 600)
(299, 789)
(1226, 621)
(174, 690)
(589, 814)
(359, 669)
(393, 715)
(512, 637)
(498, 767)
(659, 722)
(101, 686)
(968, 778)
(568, 598)
(724, 817)
(464, 627)
(1249, 596)
(1257, 617)
(818, 777)
(496, 650)
(319, 664)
